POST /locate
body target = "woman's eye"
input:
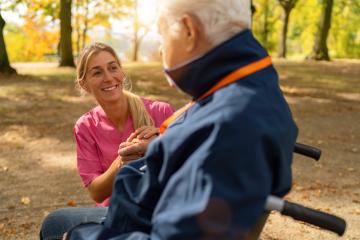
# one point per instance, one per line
(97, 73)
(114, 68)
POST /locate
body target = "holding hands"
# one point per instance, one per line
(136, 144)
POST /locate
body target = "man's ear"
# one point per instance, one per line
(193, 32)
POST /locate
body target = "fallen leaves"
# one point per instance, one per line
(25, 200)
(71, 203)
(11, 207)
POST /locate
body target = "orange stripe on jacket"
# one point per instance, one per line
(229, 79)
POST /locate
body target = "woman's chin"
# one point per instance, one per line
(110, 98)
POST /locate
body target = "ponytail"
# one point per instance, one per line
(139, 114)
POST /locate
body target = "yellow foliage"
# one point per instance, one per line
(33, 41)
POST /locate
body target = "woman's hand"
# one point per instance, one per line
(144, 132)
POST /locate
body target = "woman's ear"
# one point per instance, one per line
(84, 85)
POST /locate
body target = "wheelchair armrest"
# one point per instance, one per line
(305, 214)
(307, 150)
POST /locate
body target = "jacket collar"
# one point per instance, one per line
(197, 76)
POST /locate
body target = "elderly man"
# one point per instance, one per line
(208, 175)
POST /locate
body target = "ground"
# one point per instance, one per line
(37, 156)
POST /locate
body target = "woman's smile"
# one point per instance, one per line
(110, 88)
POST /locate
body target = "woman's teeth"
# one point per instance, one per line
(110, 88)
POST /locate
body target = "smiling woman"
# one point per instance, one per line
(104, 78)
(110, 135)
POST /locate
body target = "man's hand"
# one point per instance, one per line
(129, 151)
(136, 144)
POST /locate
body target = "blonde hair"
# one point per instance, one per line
(140, 116)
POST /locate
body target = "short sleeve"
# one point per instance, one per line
(159, 111)
(88, 163)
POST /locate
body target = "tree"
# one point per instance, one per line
(265, 32)
(287, 6)
(136, 37)
(81, 23)
(253, 8)
(320, 50)
(88, 14)
(66, 54)
(131, 9)
(4, 59)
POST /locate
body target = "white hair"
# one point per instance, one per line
(221, 19)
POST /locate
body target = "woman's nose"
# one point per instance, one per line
(107, 75)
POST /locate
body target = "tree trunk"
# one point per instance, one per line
(4, 59)
(266, 24)
(253, 9)
(320, 50)
(86, 23)
(136, 41)
(282, 43)
(135, 50)
(77, 27)
(287, 6)
(66, 54)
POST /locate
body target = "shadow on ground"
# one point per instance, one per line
(37, 160)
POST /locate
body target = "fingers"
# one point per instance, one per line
(136, 133)
(132, 148)
(129, 151)
(143, 132)
(148, 133)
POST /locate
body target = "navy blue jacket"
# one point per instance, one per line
(209, 175)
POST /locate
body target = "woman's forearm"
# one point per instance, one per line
(101, 187)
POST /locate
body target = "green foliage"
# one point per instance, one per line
(266, 24)
(344, 39)
(39, 33)
(344, 35)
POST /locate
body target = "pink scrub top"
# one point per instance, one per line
(98, 140)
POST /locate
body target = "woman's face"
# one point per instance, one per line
(104, 78)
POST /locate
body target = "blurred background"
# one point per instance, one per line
(56, 31)
(315, 45)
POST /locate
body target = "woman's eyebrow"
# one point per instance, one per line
(95, 68)
(111, 62)
(99, 68)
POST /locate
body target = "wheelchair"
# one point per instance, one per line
(296, 211)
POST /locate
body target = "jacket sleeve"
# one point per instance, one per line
(221, 189)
